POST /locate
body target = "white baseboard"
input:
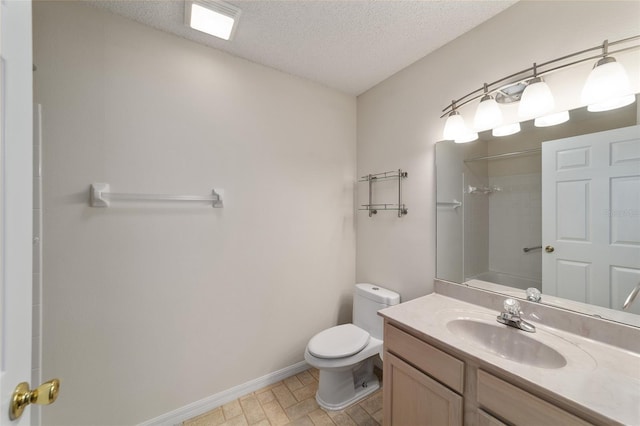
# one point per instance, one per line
(176, 417)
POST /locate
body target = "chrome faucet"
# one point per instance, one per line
(511, 316)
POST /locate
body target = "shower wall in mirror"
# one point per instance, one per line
(489, 201)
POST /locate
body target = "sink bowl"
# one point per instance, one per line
(506, 342)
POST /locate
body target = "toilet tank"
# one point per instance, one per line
(368, 299)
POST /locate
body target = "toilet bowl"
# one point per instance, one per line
(344, 354)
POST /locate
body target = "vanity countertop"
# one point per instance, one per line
(598, 377)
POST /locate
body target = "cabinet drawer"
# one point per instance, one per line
(437, 364)
(519, 407)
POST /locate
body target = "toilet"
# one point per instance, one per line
(344, 354)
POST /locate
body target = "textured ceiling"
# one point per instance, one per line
(349, 45)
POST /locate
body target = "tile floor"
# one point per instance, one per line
(291, 402)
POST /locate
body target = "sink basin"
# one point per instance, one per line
(506, 342)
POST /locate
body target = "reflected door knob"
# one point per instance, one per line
(44, 394)
(549, 249)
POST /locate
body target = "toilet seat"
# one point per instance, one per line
(338, 342)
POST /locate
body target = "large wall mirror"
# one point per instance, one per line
(546, 209)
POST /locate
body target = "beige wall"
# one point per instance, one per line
(399, 124)
(149, 309)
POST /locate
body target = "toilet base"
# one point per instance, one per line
(338, 389)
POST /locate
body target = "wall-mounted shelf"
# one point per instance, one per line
(372, 207)
(101, 196)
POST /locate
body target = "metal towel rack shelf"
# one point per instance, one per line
(372, 207)
(101, 196)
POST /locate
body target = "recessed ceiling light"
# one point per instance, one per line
(213, 17)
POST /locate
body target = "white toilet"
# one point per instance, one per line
(344, 354)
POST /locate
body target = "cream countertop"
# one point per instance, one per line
(598, 377)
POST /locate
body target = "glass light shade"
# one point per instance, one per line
(454, 126)
(488, 114)
(506, 130)
(468, 136)
(552, 119)
(610, 104)
(608, 81)
(536, 100)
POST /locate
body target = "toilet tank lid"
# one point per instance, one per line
(377, 294)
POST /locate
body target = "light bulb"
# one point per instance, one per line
(467, 136)
(552, 119)
(607, 86)
(506, 130)
(454, 126)
(488, 114)
(610, 104)
(536, 100)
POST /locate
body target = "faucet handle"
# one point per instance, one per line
(533, 294)
(512, 306)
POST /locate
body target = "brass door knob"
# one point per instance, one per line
(549, 249)
(44, 394)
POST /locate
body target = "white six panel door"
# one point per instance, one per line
(591, 217)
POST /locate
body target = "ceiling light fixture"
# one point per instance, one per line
(488, 114)
(537, 99)
(213, 17)
(607, 88)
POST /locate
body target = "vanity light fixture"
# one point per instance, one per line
(213, 17)
(467, 136)
(552, 119)
(506, 130)
(488, 114)
(606, 88)
(537, 99)
(454, 126)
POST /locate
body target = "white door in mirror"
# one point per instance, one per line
(591, 216)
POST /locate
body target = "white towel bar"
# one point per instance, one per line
(101, 196)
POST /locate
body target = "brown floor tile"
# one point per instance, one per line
(373, 403)
(266, 388)
(320, 418)
(306, 392)
(236, 421)
(232, 409)
(377, 416)
(291, 402)
(284, 396)
(252, 409)
(301, 409)
(341, 418)
(302, 421)
(265, 397)
(358, 414)
(306, 378)
(212, 418)
(275, 413)
(293, 383)
(315, 373)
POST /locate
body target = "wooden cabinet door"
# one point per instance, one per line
(412, 398)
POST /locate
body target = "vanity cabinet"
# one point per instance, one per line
(425, 385)
(422, 384)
